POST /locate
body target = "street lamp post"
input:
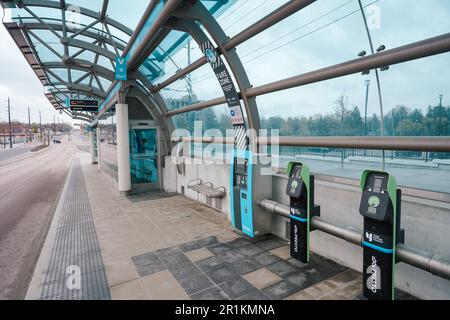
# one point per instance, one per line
(440, 114)
(367, 83)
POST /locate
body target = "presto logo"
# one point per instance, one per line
(373, 282)
(369, 236)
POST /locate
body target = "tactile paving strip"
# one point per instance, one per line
(75, 270)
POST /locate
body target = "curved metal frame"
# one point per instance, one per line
(189, 13)
(98, 47)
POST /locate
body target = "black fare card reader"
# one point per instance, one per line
(380, 207)
(300, 189)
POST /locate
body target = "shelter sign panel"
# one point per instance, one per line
(229, 91)
(87, 105)
(121, 69)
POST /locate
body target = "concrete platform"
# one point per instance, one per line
(166, 246)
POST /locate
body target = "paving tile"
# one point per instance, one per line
(271, 244)
(262, 278)
(345, 277)
(282, 252)
(219, 248)
(280, 290)
(239, 242)
(297, 263)
(254, 295)
(210, 264)
(190, 246)
(120, 271)
(163, 286)
(185, 270)
(144, 259)
(208, 241)
(195, 283)
(236, 287)
(250, 250)
(313, 292)
(154, 267)
(345, 293)
(131, 290)
(222, 275)
(199, 254)
(266, 258)
(175, 259)
(167, 251)
(299, 279)
(213, 293)
(282, 268)
(245, 266)
(231, 256)
(263, 237)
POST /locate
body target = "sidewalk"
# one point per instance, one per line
(166, 246)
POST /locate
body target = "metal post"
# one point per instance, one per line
(440, 115)
(367, 101)
(10, 128)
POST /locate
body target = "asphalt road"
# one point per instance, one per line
(17, 150)
(29, 190)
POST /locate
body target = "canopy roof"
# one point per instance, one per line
(72, 47)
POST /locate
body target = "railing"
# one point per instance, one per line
(435, 264)
(429, 144)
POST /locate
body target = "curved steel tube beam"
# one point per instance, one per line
(198, 12)
(83, 11)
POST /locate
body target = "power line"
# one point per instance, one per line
(246, 14)
(297, 29)
(232, 11)
(205, 76)
(307, 34)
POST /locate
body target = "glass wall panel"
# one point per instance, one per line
(412, 104)
(108, 146)
(409, 167)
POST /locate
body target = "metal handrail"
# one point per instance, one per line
(431, 144)
(435, 264)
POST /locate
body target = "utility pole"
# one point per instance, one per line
(40, 126)
(10, 128)
(29, 123)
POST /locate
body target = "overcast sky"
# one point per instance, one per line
(324, 37)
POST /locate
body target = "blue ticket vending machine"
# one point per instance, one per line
(248, 186)
(144, 157)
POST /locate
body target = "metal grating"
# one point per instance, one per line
(75, 248)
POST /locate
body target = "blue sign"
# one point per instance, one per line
(121, 69)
